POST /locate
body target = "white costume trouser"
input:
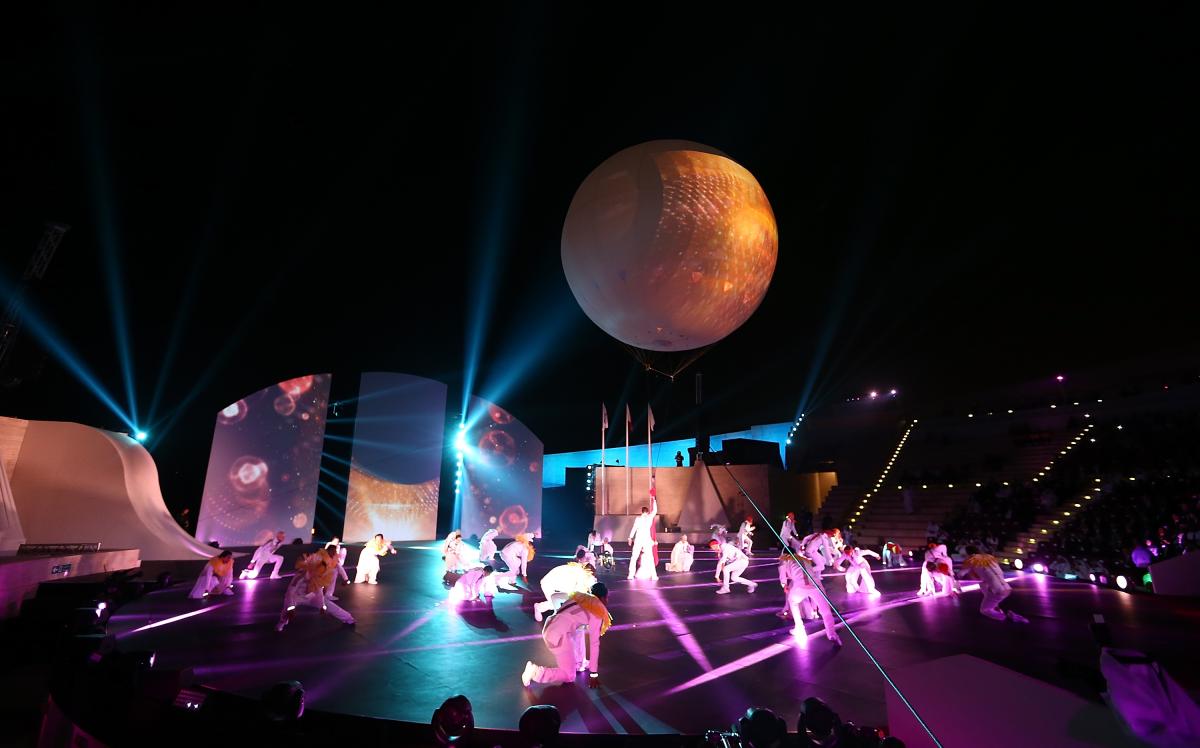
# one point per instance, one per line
(253, 573)
(508, 578)
(643, 551)
(553, 601)
(368, 568)
(733, 573)
(798, 597)
(992, 597)
(316, 600)
(209, 583)
(856, 577)
(569, 656)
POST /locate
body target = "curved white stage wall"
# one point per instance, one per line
(502, 484)
(76, 484)
(265, 464)
(396, 467)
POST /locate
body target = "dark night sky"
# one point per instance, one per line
(965, 198)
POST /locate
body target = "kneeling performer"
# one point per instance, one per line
(583, 619)
(732, 562)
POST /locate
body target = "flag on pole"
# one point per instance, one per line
(628, 416)
(650, 415)
(604, 416)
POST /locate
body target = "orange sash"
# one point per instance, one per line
(594, 607)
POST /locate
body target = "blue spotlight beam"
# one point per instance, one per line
(57, 346)
(819, 588)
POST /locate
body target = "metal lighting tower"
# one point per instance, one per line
(10, 326)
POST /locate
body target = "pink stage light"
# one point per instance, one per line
(1039, 568)
(1059, 377)
(680, 630)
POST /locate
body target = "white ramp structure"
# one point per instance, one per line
(76, 484)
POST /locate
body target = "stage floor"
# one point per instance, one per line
(679, 658)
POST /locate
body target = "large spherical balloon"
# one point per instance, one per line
(669, 245)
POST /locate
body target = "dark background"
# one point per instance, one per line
(966, 198)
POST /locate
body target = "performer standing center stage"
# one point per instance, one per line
(263, 556)
(583, 619)
(368, 560)
(641, 543)
(732, 562)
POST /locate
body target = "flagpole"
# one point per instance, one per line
(649, 449)
(628, 469)
(603, 481)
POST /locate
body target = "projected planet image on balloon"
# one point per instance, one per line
(669, 246)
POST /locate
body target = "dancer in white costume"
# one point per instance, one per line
(216, 578)
(263, 556)
(992, 584)
(517, 556)
(368, 560)
(719, 533)
(746, 535)
(452, 552)
(487, 547)
(787, 531)
(805, 590)
(476, 584)
(561, 582)
(583, 619)
(820, 549)
(314, 573)
(641, 543)
(893, 555)
(337, 552)
(937, 570)
(732, 562)
(682, 555)
(943, 558)
(858, 569)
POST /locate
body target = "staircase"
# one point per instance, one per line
(882, 515)
(1046, 524)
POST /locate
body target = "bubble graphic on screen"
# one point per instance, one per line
(498, 448)
(298, 386)
(233, 413)
(248, 475)
(300, 520)
(285, 405)
(513, 520)
(499, 415)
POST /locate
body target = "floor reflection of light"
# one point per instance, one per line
(174, 619)
(739, 664)
(680, 630)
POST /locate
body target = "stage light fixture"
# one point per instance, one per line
(1019, 564)
(141, 436)
(1091, 577)
(1039, 568)
(1122, 582)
